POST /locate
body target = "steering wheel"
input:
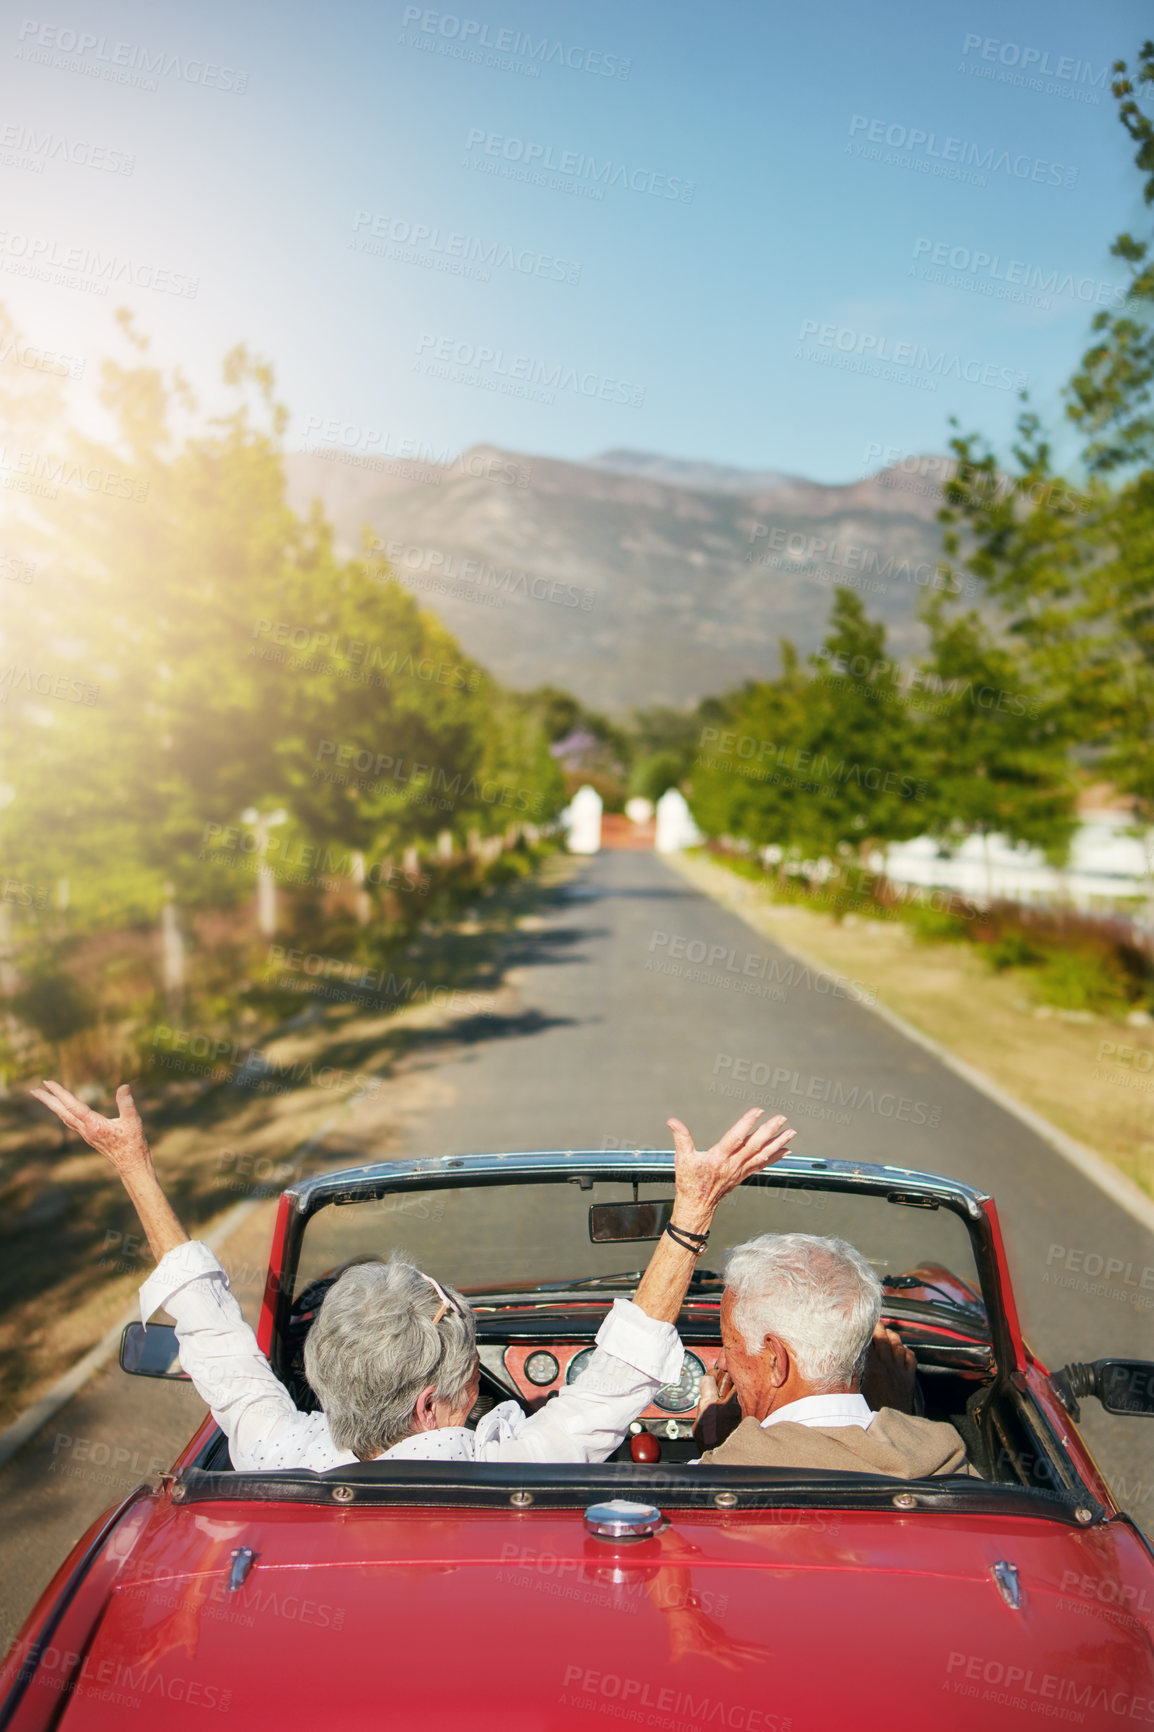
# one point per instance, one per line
(301, 1319)
(492, 1393)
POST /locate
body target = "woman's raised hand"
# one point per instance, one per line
(122, 1139)
(703, 1177)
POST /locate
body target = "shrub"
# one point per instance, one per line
(936, 925)
(56, 1006)
(1012, 949)
(1081, 980)
(1075, 961)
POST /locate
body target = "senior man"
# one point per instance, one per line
(392, 1355)
(800, 1320)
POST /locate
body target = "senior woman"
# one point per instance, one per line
(392, 1355)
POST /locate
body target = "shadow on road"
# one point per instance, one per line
(479, 1030)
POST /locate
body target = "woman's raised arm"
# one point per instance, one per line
(702, 1178)
(124, 1143)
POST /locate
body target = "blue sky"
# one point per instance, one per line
(753, 297)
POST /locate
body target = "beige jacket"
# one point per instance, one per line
(896, 1444)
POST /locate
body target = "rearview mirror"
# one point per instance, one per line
(1121, 1385)
(151, 1352)
(613, 1223)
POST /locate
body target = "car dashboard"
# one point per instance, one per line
(531, 1354)
(538, 1373)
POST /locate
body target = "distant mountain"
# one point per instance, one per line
(633, 579)
(703, 477)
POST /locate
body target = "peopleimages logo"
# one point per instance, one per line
(1009, 279)
(529, 155)
(909, 684)
(46, 685)
(1009, 1685)
(667, 1705)
(743, 754)
(81, 267)
(868, 347)
(119, 62)
(1013, 54)
(446, 249)
(44, 473)
(18, 354)
(953, 154)
(470, 34)
(491, 369)
(409, 559)
(1011, 63)
(421, 779)
(789, 548)
(45, 147)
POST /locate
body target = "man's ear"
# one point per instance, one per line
(777, 1363)
(424, 1418)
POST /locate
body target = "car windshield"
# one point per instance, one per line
(509, 1238)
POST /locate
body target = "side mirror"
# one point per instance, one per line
(151, 1352)
(613, 1223)
(1121, 1385)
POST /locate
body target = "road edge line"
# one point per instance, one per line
(25, 1426)
(1090, 1164)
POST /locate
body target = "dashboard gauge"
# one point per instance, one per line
(681, 1396)
(578, 1363)
(541, 1368)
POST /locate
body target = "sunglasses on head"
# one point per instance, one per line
(446, 1303)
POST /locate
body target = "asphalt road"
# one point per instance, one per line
(600, 1049)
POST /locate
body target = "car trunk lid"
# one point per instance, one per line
(761, 1622)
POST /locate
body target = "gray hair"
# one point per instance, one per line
(374, 1346)
(819, 1296)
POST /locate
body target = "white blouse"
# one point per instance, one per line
(585, 1422)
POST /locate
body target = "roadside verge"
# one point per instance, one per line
(950, 1007)
(230, 1150)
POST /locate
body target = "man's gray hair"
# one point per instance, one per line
(374, 1346)
(819, 1296)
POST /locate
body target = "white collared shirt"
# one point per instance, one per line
(266, 1430)
(824, 1410)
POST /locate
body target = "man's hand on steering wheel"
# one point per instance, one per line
(718, 1409)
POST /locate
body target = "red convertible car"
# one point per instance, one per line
(652, 1589)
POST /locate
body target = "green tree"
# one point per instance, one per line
(1071, 566)
(225, 660)
(657, 772)
(1110, 397)
(997, 754)
(738, 788)
(664, 741)
(869, 773)
(820, 763)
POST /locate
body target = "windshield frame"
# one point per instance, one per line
(709, 1490)
(301, 1202)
